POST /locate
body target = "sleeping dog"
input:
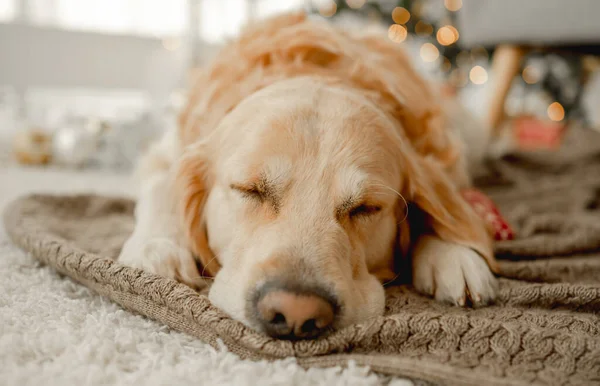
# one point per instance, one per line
(308, 164)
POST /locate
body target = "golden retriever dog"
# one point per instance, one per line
(307, 166)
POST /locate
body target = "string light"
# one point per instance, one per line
(397, 33)
(423, 29)
(556, 112)
(453, 5)
(329, 9)
(355, 4)
(447, 35)
(400, 15)
(478, 75)
(531, 75)
(429, 53)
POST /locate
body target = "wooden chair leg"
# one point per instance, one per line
(505, 65)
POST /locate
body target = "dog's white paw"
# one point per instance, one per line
(452, 273)
(161, 256)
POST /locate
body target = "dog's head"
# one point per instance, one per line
(298, 205)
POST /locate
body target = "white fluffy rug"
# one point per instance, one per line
(56, 332)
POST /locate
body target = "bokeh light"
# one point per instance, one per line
(556, 112)
(531, 75)
(447, 35)
(397, 33)
(453, 5)
(328, 9)
(478, 75)
(423, 29)
(355, 4)
(400, 15)
(429, 53)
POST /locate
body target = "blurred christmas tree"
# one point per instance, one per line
(431, 23)
(549, 85)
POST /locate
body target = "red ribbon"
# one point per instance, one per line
(488, 211)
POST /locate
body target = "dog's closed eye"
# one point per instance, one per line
(364, 210)
(249, 191)
(352, 211)
(260, 192)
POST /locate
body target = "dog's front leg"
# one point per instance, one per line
(452, 273)
(158, 244)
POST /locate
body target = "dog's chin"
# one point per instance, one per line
(365, 304)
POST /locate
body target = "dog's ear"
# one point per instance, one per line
(192, 182)
(443, 211)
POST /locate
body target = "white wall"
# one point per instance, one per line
(55, 63)
(46, 57)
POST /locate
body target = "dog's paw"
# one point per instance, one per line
(161, 256)
(452, 273)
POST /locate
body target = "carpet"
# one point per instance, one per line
(544, 328)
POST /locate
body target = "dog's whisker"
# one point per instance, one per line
(399, 195)
(205, 265)
(400, 222)
(391, 280)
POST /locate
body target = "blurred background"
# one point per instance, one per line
(88, 83)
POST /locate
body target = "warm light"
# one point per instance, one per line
(400, 15)
(328, 10)
(423, 29)
(531, 75)
(355, 4)
(429, 53)
(397, 33)
(478, 75)
(171, 44)
(447, 35)
(453, 5)
(556, 112)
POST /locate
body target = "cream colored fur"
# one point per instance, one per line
(274, 156)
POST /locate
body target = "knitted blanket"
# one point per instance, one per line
(544, 328)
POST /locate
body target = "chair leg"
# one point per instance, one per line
(505, 65)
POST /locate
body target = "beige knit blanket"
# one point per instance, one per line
(544, 329)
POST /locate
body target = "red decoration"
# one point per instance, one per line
(535, 134)
(488, 211)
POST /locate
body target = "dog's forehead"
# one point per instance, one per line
(308, 128)
(277, 168)
(303, 96)
(350, 180)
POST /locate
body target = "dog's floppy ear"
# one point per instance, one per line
(446, 213)
(192, 181)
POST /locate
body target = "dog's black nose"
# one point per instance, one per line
(290, 314)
